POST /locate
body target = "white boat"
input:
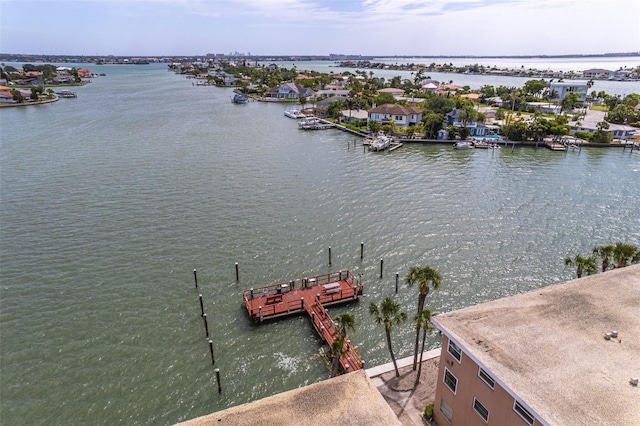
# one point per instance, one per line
(294, 113)
(380, 142)
(462, 145)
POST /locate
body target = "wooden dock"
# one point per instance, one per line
(310, 295)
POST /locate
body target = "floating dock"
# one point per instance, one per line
(310, 295)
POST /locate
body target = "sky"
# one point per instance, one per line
(319, 27)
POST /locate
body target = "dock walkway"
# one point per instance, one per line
(310, 295)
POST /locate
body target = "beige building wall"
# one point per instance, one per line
(469, 387)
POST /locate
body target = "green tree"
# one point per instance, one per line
(605, 253)
(569, 102)
(345, 322)
(623, 254)
(584, 265)
(432, 123)
(425, 278)
(389, 316)
(374, 127)
(336, 352)
(534, 87)
(425, 324)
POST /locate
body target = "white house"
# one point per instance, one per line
(563, 88)
(403, 116)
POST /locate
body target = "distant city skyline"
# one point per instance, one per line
(321, 27)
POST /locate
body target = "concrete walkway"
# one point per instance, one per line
(404, 398)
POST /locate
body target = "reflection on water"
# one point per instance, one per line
(109, 201)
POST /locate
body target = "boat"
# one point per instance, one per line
(462, 145)
(380, 142)
(294, 113)
(66, 94)
(240, 98)
(313, 123)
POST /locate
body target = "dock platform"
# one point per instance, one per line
(310, 295)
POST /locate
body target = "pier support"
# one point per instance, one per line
(195, 277)
(237, 273)
(206, 325)
(397, 276)
(213, 360)
(361, 250)
(217, 371)
(201, 305)
(381, 264)
(329, 255)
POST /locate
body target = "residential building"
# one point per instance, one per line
(565, 354)
(563, 88)
(475, 128)
(396, 93)
(596, 73)
(291, 91)
(402, 116)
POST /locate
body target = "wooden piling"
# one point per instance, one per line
(361, 250)
(217, 370)
(201, 305)
(329, 255)
(237, 273)
(381, 263)
(195, 277)
(397, 276)
(206, 325)
(213, 360)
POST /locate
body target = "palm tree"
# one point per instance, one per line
(586, 265)
(606, 254)
(624, 253)
(426, 278)
(345, 322)
(388, 315)
(426, 325)
(336, 351)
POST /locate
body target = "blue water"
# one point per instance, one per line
(109, 201)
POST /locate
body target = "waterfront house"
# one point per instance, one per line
(402, 116)
(565, 354)
(562, 88)
(596, 73)
(395, 92)
(475, 128)
(291, 91)
(227, 78)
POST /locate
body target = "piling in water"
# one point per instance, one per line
(201, 305)
(213, 360)
(217, 370)
(237, 273)
(195, 277)
(206, 325)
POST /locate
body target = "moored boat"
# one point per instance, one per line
(380, 142)
(240, 98)
(294, 113)
(462, 145)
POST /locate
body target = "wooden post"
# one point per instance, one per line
(302, 302)
(260, 312)
(361, 250)
(329, 255)
(201, 305)
(397, 275)
(217, 370)
(381, 263)
(237, 273)
(195, 277)
(213, 360)
(206, 325)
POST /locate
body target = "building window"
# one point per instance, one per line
(481, 410)
(522, 412)
(445, 409)
(486, 378)
(454, 350)
(450, 380)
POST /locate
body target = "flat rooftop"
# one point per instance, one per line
(547, 346)
(350, 399)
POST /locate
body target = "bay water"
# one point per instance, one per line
(110, 200)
